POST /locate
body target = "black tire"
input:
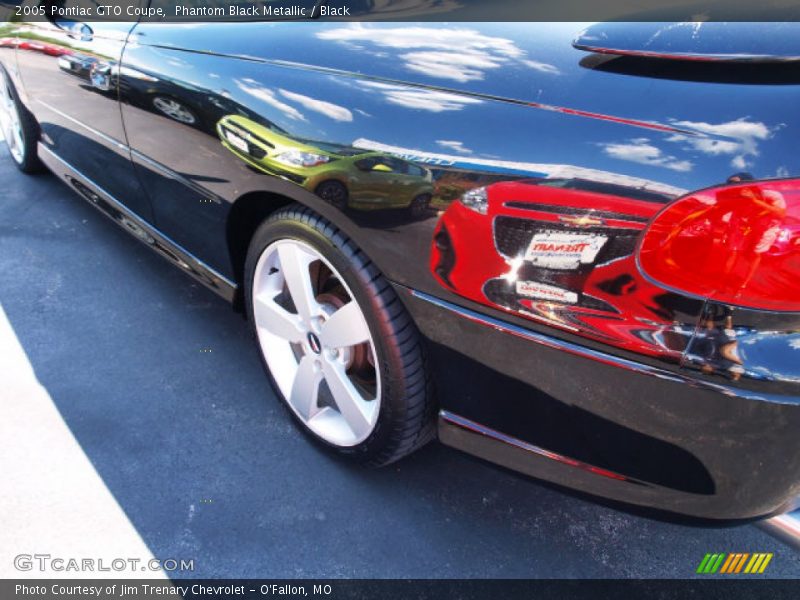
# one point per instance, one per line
(334, 193)
(406, 416)
(420, 206)
(28, 161)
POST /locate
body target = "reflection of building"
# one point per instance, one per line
(513, 169)
(342, 175)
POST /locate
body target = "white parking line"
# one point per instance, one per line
(52, 500)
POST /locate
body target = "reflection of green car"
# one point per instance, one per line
(341, 175)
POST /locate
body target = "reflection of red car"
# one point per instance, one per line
(44, 48)
(9, 42)
(561, 251)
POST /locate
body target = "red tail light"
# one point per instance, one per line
(737, 244)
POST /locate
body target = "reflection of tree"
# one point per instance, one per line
(29, 34)
(451, 184)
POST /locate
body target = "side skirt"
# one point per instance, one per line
(138, 227)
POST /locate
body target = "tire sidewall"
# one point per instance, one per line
(30, 133)
(273, 230)
(420, 205)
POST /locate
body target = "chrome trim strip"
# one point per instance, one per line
(689, 56)
(784, 527)
(175, 176)
(436, 88)
(135, 153)
(92, 130)
(198, 269)
(500, 437)
(596, 355)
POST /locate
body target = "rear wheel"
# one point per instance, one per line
(334, 193)
(420, 206)
(18, 127)
(175, 110)
(340, 349)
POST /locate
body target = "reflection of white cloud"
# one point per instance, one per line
(450, 65)
(739, 138)
(255, 89)
(454, 145)
(334, 111)
(641, 151)
(423, 37)
(782, 172)
(540, 66)
(457, 54)
(419, 98)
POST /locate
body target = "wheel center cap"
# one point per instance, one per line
(314, 343)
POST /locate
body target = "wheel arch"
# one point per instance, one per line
(250, 209)
(246, 214)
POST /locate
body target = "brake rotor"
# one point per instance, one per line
(357, 358)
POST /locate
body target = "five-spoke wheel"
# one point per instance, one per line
(10, 122)
(316, 342)
(18, 128)
(338, 345)
(175, 110)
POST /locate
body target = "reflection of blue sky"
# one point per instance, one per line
(736, 140)
(329, 109)
(281, 98)
(454, 145)
(420, 98)
(744, 127)
(770, 348)
(642, 151)
(453, 53)
(260, 92)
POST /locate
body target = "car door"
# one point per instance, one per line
(418, 184)
(69, 70)
(373, 180)
(400, 182)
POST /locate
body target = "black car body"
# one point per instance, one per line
(681, 427)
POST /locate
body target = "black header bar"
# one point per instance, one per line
(387, 589)
(194, 11)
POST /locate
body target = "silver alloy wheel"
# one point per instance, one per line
(10, 122)
(174, 110)
(317, 345)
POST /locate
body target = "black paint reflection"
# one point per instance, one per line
(562, 252)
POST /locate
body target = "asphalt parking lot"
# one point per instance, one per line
(157, 380)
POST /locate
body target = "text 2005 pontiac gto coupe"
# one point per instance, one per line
(573, 252)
